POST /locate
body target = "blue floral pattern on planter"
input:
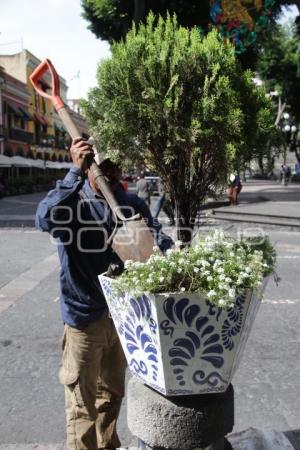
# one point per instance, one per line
(138, 339)
(232, 325)
(181, 344)
(206, 342)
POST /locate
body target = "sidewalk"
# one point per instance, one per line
(263, 202)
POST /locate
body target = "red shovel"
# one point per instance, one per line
(133, 240)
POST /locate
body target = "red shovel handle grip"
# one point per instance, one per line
(36, 77)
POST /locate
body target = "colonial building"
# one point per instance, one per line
(15, 117)
(31, 124)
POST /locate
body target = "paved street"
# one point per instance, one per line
(267, 384)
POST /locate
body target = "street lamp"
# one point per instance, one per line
(289, 131)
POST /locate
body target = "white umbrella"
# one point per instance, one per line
(5, 161)
(37, 163)
(19, 161)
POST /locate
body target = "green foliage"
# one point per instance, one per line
(112, 19)
(279, 66)
(182, 104)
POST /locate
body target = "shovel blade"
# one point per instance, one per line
(134, 241)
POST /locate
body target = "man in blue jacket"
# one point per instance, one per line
(93, 368)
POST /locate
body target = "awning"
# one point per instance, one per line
(40, 119)
(59, 165)
(60, 127)
(19, 161)
(37, 163)
(47, 120)
(14, 110)
(5, 161)
(25, 114)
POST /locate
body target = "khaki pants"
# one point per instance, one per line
(93, 373)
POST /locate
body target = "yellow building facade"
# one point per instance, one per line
(51, 140)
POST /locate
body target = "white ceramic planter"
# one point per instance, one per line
(180, 344)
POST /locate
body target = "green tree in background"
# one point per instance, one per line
(279, 66)
(183, 105)
(111, 19)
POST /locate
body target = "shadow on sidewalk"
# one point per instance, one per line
(294, 438)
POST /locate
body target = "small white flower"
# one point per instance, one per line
(248, 269)
(231, 254)
(127, 263)
(179, 270)
(181, 261)
(221, 302)
(209, 278)
(155, 248)
(182, 289)
(231, 293)
(222, 277)
(211, 293)
(169, 252)
(178, 244)
(220, 270)
(228, 280)
(161, 279)
(196, 269)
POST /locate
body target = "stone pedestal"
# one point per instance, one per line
(197, 422)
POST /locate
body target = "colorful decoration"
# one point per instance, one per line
(241, 20)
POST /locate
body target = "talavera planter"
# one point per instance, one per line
(180, 344)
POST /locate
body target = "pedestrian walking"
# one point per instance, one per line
(143, 189)
(93, 366)
(234, 188)
(164, 203)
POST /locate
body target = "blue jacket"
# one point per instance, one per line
(80, 221)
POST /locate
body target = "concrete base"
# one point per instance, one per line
(179, 423)
(215, 446)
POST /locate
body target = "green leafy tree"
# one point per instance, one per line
(279, 66)
(111, 19)
(182, 104)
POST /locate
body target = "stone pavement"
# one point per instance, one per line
(31, 405)
(263, 202)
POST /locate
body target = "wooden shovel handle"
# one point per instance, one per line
(57, 102)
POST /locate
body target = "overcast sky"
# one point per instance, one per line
(54, 29)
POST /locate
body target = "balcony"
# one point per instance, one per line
(3, 132)
(20, 135)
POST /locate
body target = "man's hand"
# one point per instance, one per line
(82, 154)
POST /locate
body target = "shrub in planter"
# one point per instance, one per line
(184, 318)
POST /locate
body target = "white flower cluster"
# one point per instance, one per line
(216, 266)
